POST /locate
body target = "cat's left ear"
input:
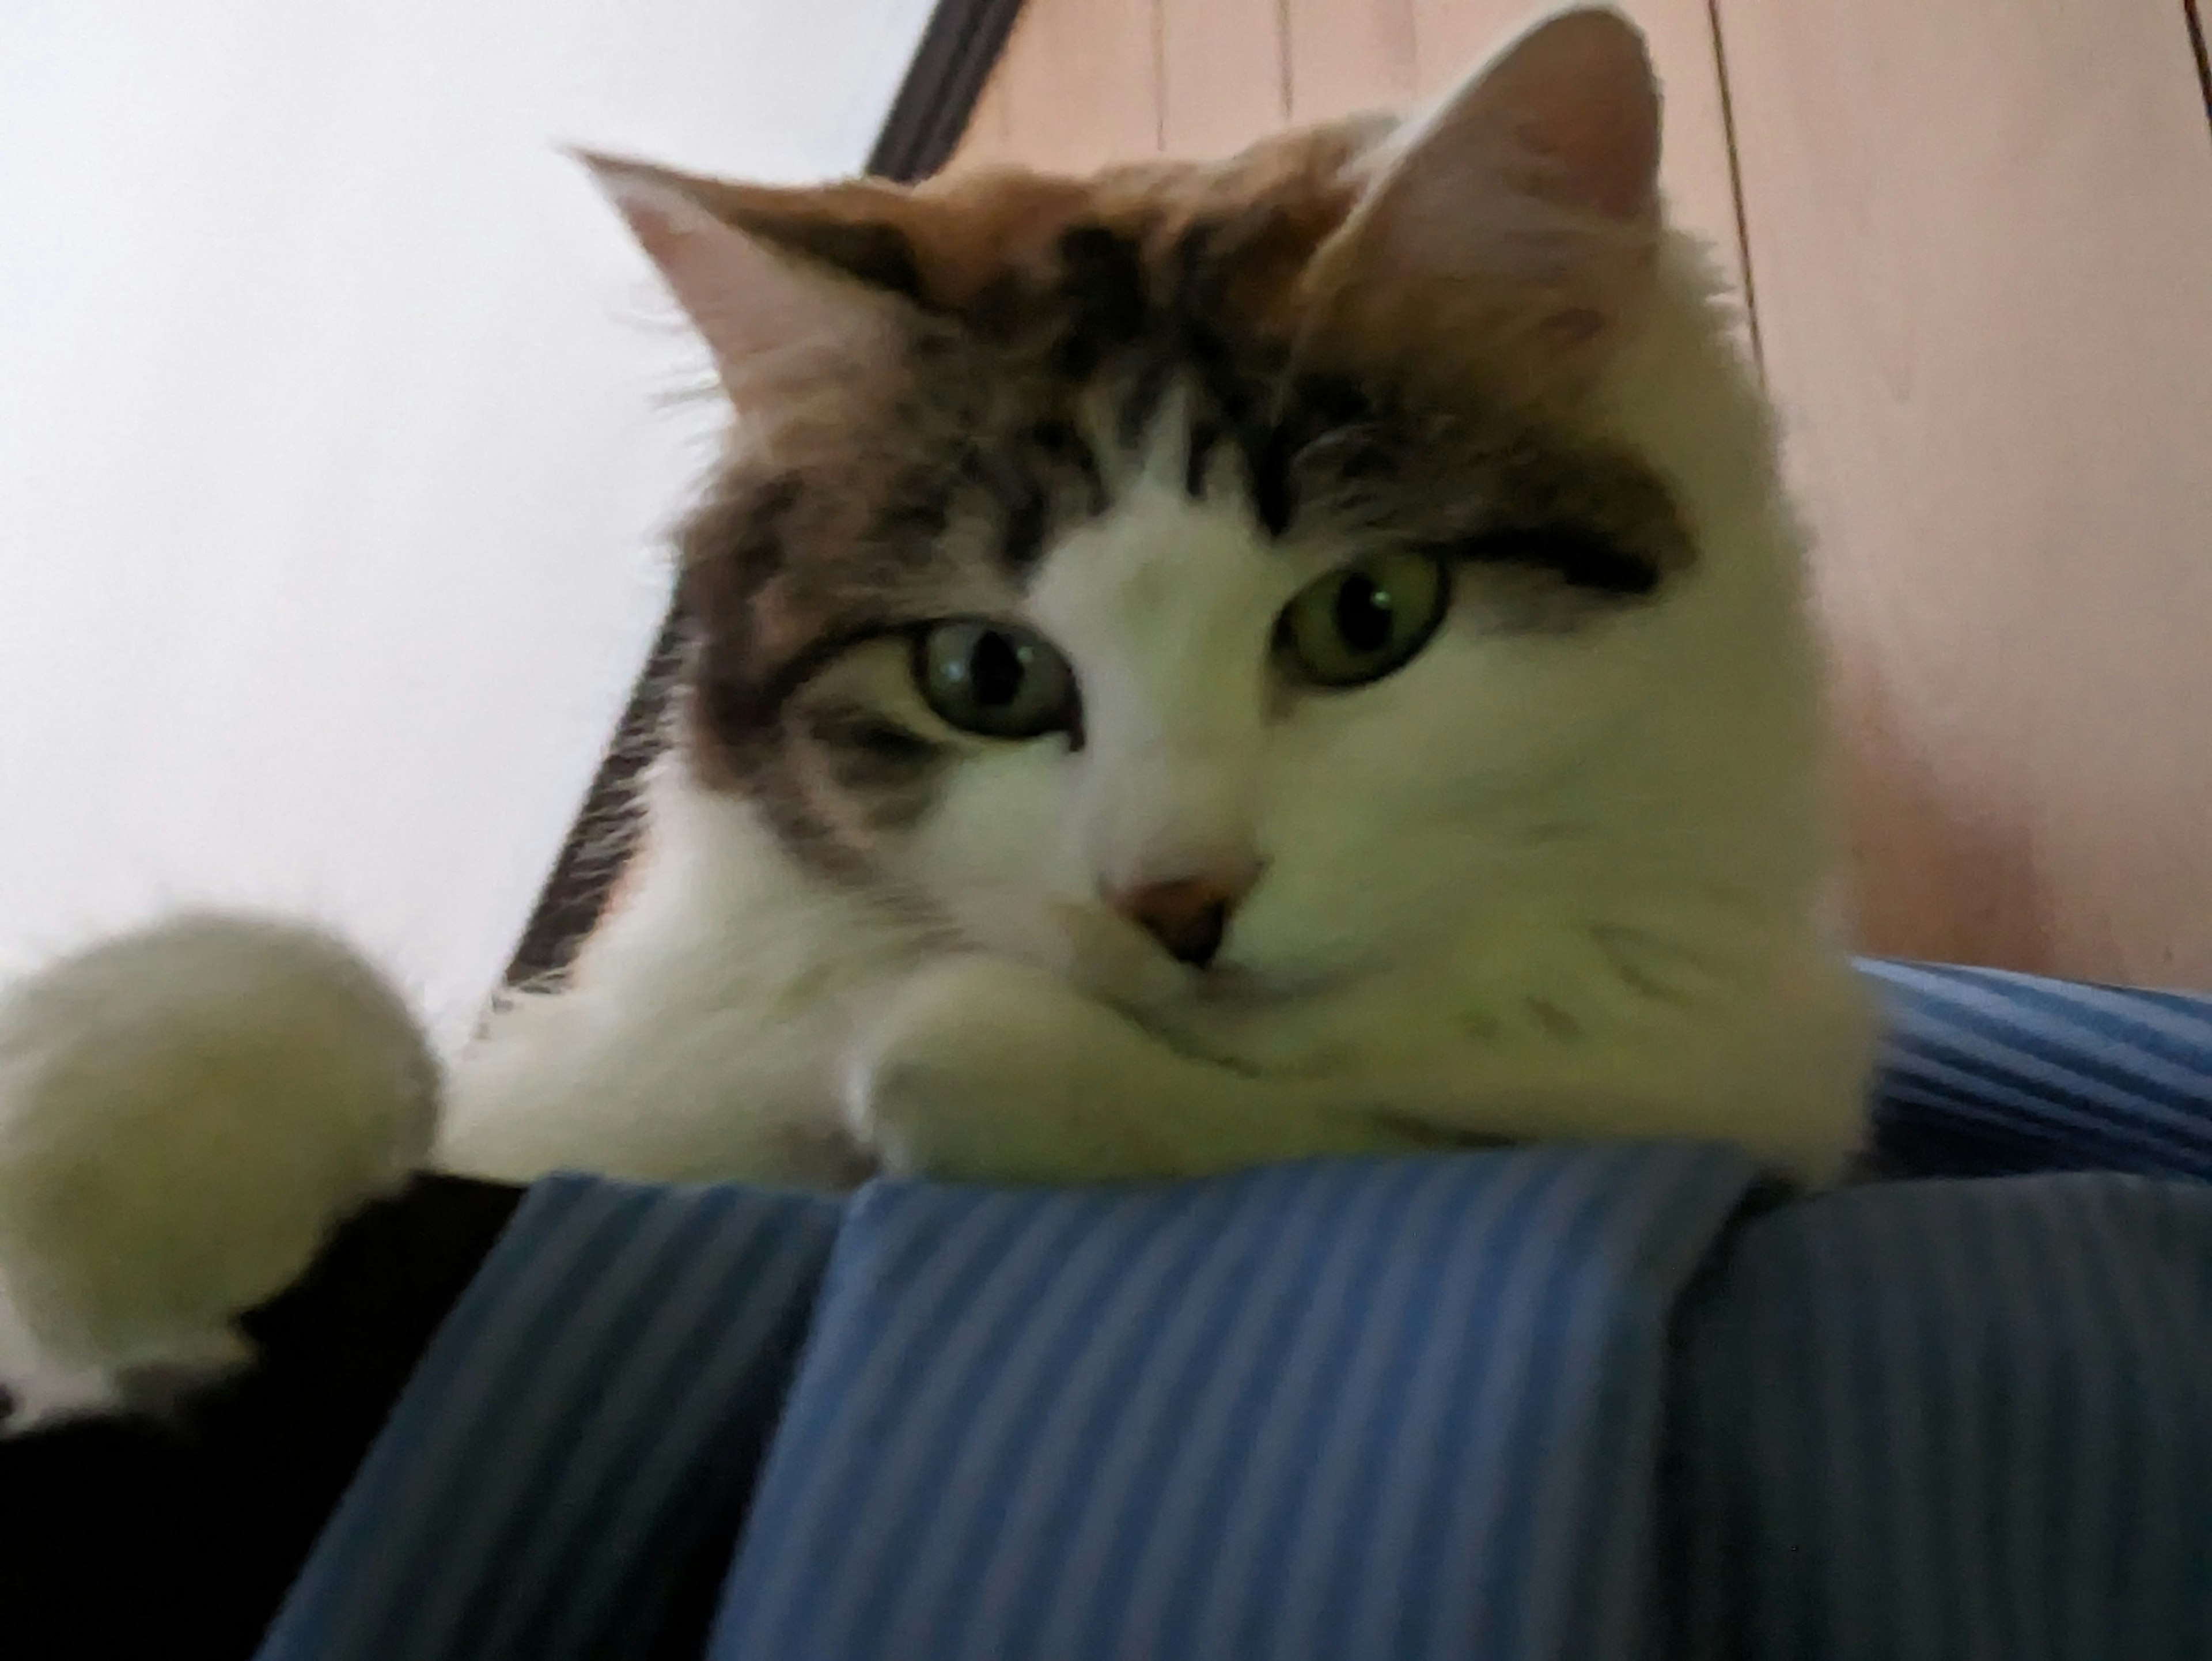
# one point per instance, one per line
(1521, 217)
(785, 286)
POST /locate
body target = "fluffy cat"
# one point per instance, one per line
(1200, 665)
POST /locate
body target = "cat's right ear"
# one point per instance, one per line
(1514, 229)
(773, 316)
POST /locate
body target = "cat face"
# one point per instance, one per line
(1269, 747)
(1209, 581)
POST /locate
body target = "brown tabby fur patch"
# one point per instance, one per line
(1047, 322)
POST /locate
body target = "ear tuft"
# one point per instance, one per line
(1572, 112)
(1514, 227)
(771, 315)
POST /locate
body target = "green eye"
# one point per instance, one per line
(1366, 620)
(994, 678)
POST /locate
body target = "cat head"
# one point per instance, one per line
(1222, 578)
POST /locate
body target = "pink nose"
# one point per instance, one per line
(1189, 916)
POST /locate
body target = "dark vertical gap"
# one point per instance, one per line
(959, 47)
(1735, 186)
(1283, 60)
(605, 832)
(2196, 20)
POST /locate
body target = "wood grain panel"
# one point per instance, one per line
(1224, 74)
(1082, 83)
(988, 137)
(1450, 37)
(1346, 56)
(1981, 234)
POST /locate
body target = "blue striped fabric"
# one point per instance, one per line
(1991, 1074)
(1953, 1422)
(1339, 1410)
(1362, 1410)
(611, 1373)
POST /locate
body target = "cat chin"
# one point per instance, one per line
(1217, 1014)
(1132, 973)
(1233, 989)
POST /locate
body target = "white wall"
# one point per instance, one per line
(331, 459)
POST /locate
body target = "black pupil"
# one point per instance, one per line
(995, 670)
(1363, 613)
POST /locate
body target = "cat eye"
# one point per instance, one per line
(997, 679)
(1364, 620)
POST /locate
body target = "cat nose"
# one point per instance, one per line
(1189, 916)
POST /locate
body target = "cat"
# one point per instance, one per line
(1200, 665)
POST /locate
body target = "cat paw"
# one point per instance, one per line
(186, 1112)
(934, 1087)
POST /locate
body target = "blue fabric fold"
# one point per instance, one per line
(1342, 1409)
(609, 1380)
(1988, 1073)
(1970, 1421)
(1554, 1403)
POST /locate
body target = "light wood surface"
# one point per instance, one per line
(1082, 83)
(1225, 76)
(1346, 56)
(1981, 237)
(987, 137)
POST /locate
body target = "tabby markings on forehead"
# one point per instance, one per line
(1010, 401)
